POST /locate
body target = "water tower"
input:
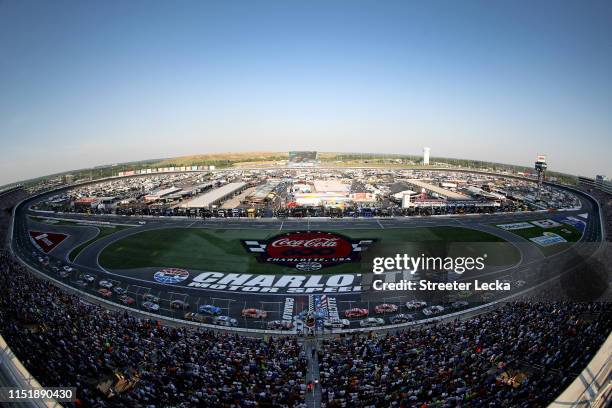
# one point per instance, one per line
(426, 151)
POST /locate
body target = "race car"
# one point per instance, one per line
(63, 274)
(225, 321)
(519, 283)
(464, 294)
(81, 283)
(126, 300)
(356, 312)
(460, 304)
(179, 304)
(150, 298)
(487, 296)
(318, 315)
(402, 318)
(67, 268)
(336, 324)
(415, 304)
(372, 322)
(433, 310)
(254, 313)
(280, 325)
(197, 317)
(209, 310)
(105, 284)
(150, 306)
(386, 308)
(105, 292)
(88, 278)
(120, 291)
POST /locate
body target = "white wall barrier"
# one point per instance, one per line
(593, 387)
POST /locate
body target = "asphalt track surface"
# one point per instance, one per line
(529, 268)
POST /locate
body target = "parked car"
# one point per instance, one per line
(120, 291)
(356, 312)
(386, 308)
(372, 322)
(433, 310)
(209, 310)
(253, 313)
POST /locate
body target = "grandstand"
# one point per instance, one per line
(522, 353)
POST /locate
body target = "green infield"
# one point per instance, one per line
(567, 232)
(102, 232)
(221, 249)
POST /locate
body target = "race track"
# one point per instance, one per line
(279, 304)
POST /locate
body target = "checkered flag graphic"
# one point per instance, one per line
(362, 245)
(255, 246)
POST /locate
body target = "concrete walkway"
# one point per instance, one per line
(313, 399)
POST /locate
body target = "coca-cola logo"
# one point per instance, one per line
(305, 249)
(310, 243)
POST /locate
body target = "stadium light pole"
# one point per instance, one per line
(540, 167)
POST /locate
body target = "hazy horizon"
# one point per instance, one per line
(84, 84)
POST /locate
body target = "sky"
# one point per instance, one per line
(86, 83)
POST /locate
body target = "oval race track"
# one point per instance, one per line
(279, 303)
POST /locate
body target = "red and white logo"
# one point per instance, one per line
(308, 250)
(47, 241)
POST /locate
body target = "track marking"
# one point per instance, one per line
(379, 224)
(288, 309)
(281, 226)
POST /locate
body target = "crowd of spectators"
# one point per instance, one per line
(65, 341)
(520, 355)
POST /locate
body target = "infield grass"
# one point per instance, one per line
(221, 249)
(102, 232)
(568, 232)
